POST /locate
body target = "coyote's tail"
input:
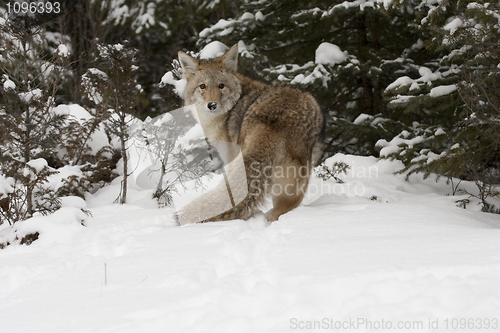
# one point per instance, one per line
(237, 197)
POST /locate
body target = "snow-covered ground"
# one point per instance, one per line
(376, 253)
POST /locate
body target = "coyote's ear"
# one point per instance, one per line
(189, 64)
(230, 59)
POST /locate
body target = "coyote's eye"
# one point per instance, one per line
(221, 86)
(203, 86)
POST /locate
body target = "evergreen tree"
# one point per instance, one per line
(456, 101)
(31, 129)
(454, 97)
(111, 84)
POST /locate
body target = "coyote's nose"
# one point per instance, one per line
(212, 106)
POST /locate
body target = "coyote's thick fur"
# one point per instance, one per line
(278, 129)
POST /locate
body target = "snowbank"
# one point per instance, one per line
(375, 248)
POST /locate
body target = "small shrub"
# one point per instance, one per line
(30, 238)
(325, 172)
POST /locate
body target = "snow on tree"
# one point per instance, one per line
(31, 131)
(454, 101)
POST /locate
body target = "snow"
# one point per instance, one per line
(8, 84)
(299, 79)
(245, 50)
(362, 118)
(119, 12)
(145, 19)
(401, 81)
(92, 92)
(442, 90)
(375, 248)
(418, 45)
(222, 24)
(179, 85)
(79, 112)
(247, 16)
(73, 201)
(98, 138)
(427, 75)
(329, 54)
(212, 50)
(74, 110)
(6, 186)
(27, 97)
(314, 11)
(62, 50)
(439, 131)
(62, 228)
(362, 4)
(314, 72)
(37, 164)
(98, 72)
(453, 25)
(401, 99)
(57, 180)
(389, 148)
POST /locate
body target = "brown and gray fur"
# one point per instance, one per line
(277, 127)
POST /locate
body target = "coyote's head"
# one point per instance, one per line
(211, 85)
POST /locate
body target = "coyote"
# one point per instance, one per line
(278, 128)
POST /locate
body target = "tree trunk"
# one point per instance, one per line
(159, 186)
(27, 132)
(123, 198)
